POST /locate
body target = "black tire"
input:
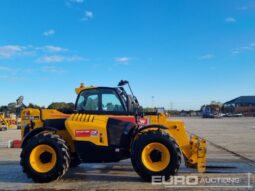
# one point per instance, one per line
(155, 137)
(62, 157)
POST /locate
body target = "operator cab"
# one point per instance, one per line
(106, 100)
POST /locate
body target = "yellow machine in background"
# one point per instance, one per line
(10, 122)
(4, 124)
(108, 125)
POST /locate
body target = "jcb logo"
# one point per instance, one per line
(142, 121)
(93, 133)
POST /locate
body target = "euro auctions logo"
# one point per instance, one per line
(204, 181)
(176, 181)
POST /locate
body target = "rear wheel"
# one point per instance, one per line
(45, 158)
(155, 153)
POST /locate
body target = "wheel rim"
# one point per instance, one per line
(155, 156)
(43, 158)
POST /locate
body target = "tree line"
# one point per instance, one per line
(60, 106)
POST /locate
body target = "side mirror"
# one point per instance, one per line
(122, 83)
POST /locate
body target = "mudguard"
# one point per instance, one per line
(34, 132)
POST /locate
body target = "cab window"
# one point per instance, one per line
(88, 101)
(111, 101)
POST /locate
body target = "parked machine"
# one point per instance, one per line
(108, 125)
(4, 124)
(10, 118)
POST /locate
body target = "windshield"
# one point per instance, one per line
(101, 100)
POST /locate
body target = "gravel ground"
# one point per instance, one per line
(10, 134)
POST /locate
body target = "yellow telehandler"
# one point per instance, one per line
(107, 125)
(4, 123)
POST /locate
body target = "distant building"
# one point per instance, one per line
(242, 104)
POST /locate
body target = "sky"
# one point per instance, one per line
(177, 54)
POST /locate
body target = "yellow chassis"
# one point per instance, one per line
(193, 147)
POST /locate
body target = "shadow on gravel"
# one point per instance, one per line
(48, 189)
(99, 177)
(9, 162)
(219, 167)
(117, 174)
(11, 172)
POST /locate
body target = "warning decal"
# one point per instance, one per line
(86, 133)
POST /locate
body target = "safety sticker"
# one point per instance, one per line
(86, 133)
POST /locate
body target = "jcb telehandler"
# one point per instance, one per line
(107, 125)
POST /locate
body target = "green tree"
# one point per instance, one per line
(149, 109)
(31, 105)
(62, 107)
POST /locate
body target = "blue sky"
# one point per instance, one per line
(183, 53)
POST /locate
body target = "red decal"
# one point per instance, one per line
(128, 119)
(86, 133)
(141, 121)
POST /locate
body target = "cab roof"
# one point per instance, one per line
(83, 87)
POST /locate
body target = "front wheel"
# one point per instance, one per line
(45, 158)
(155, 153)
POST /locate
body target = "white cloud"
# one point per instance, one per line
(10, 78)
(51, 48)
(246, 7)
(51, 59)
(230, 20)
(235, 51)
(252, 44)
(249, 47)
(11, 50)
(8, 70)
(15, 70)
(58, 58)
(44, 54)
(3, 68)
(71, 3)
(52, 69)
(122, 60)
(88, 15)
(10, 74)
(206, 57)
(74, 58)
(76, 1)
(50, 32)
